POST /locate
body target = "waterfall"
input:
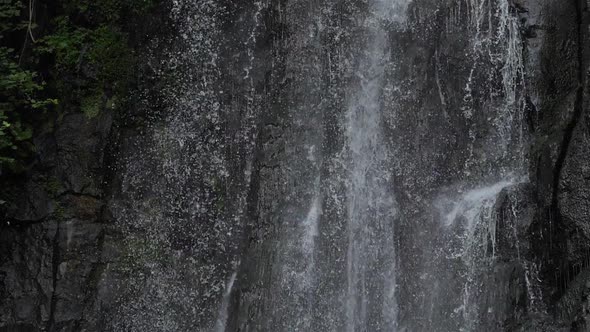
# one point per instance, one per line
(295, 166)
(221, 323)
(477, 248)
(338, 151)
(470, 217)
(371, 204)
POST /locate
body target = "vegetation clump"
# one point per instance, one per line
(58, 57)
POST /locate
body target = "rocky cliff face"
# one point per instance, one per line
(560, 160)
(206, 205)
(55, 218)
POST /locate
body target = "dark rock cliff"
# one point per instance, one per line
(53, 216)
(560, 161)
(136, 220)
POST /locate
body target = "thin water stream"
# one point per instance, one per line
(370, 202)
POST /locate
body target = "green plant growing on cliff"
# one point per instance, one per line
(112, 54)
(21, 92)
(91, 105)
(52, 186)
(66, 44)
(59, 211)
(99, 58)
(81, 56)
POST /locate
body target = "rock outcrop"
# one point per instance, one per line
(137, 220)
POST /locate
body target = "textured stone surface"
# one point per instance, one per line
(208, 174)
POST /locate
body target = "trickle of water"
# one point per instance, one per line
(223, 314)
(370, 204)
(497, 39)
(470, 204)
(311, 224)
(476, 210)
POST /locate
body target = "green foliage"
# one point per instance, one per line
(59, 211)
(20, 93)
(81, 57)
(52, 186)
(91, 105)
(111, 11)
(65, 44)
(112, 55)
(103, 48)
(9, 13)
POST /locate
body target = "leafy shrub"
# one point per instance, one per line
(81, 57)
(20, 92)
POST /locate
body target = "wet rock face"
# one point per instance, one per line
(559, 234)
(216, 171)
(51, 229)
(433, 156)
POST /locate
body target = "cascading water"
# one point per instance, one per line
(371, 206)
(471, 219)
(355, 201)
(477, 245)
(297, 165)
(221, 323)
(330, 164)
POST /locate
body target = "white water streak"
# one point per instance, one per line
(223, 314)
(476, 209)
(470, 204)
(311, 232)
(367, 150)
